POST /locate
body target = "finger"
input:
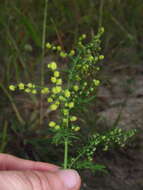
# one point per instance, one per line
(9, 162)
(33, 180)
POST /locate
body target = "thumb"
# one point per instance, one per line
(37, 180)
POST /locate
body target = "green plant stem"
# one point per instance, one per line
(4, 137)
(66, 143)
(101, 13)
(42, 59)
(43, 41)
(66, 153)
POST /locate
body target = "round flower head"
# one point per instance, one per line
(63, 54)
(34, 91)
(76, 87)
(98, 68)
(65, 111)
(52, 65)
(65, 120)
(48, 45)
(28, 90)
(96, 82)
(57, 127)
(59, 81)
(45, 91)
(101, 57)
(59, 48)
(67, 93)
(50, 100)
(52, 124)
(62, 98)
(83, 36)
(91, 89)
(71, 104)
(91, 58)
(53, 79)
(72, 52)
(53, 107)
(30, 85)
(12, 87)
(56, 74)
(21, 86)
(56, 89)
(77, 128)
(54, 48)
(57, 103)
(73, 118)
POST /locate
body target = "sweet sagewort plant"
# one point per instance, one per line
(66, 96)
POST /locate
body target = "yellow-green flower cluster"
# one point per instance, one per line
(55, 90)
(67, 93)
(52, 65)
(12, 87)
(53, 47)
(82, 37)
(30, 85)
(61, 97)
(53, 79)
(21, 86)
(76, 88)
(58, 48)
(48, 45)
(56, 74)
(59, 81)
(87, 66)
(53, 125)
(71, 104)
(65, 112)
(28, 88)
(72, 52)
(96, 82)
(73, 118)
(75, 128)
(53, 107)
(61, 52)
(45, 90)
(101, 57)
(50, 100)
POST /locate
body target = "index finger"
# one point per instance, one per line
(9, 162)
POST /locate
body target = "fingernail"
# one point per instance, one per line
(70, 178)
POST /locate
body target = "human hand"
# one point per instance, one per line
(20, 174)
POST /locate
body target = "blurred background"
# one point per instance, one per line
(120, 98)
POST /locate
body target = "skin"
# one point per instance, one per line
(20, 174)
